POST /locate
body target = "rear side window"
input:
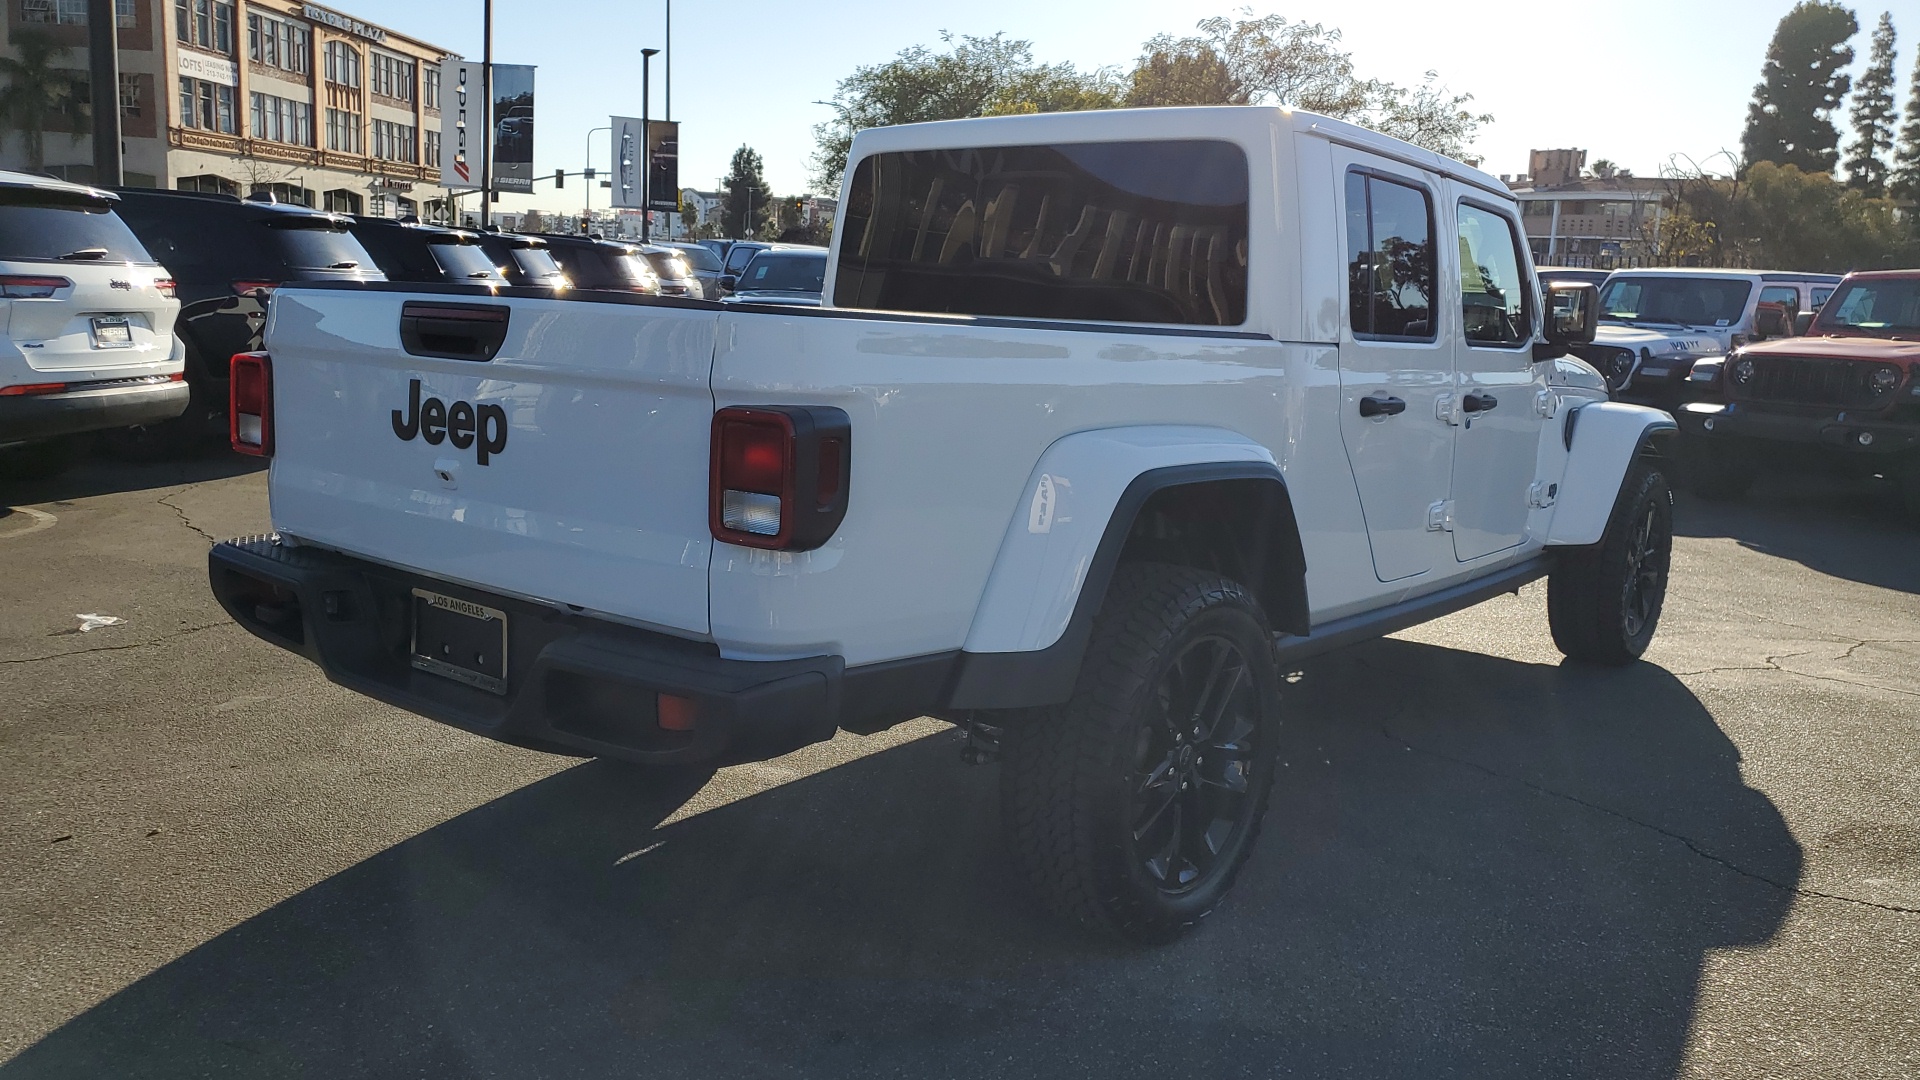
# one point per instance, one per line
(1390, 258)
(46, 230)
(1148, 232)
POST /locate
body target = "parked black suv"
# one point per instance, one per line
(525, 259)
(226, 256)
(412, 251)
(594, 264)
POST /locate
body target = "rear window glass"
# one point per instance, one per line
(465, 262)
(536, 263)
(740, 256)
(1152, 232)
(700, 258)
(322, 249)
(592, 267)
(775, 271)
(46, 232)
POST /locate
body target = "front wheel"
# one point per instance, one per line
(1604, 601)
(1132, 806)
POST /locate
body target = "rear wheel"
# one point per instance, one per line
(1133, 806)
(1604, 601)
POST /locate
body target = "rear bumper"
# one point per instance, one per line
(92, 407)
(1836, 431)
(575, 684)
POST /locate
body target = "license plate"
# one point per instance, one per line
(460, 640)
(111, 332)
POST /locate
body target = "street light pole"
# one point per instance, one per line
(486, 112)
(103, 32)
(646, 147)
(587, 180)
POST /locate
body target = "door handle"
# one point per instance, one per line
(1478, 401)
(1379, 404)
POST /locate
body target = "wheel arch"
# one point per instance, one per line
(1191, 496)
(1603, 439)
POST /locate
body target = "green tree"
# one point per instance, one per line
(748, 205)
(1873, 114)
(1182, 72)
(37, 92)
(971, 76)
(1904, 179)
(1801, 85)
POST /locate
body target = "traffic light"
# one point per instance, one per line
(588, 174)
(559, 178)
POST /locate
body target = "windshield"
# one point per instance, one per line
(1686, 301)
(700, 258)
(1875, 307)
(465, 262)
(77, 231)
(323, 249)
(784, 272)
(536, 263)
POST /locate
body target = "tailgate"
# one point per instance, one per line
(584, 477)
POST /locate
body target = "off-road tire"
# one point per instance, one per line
(1718, 472)
(1593, 607)
(42, 460)
(1073, 775)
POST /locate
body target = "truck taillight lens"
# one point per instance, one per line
(779, 475)
(29, 287)
(250, 404)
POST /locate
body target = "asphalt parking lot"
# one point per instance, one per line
(1479, 862)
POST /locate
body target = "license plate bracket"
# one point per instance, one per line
(460, 640)
(112, 332)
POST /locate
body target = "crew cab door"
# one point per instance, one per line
(1396, 363)
(1495, 408)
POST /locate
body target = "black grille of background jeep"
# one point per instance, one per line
(1794, 380)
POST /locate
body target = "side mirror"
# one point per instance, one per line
(1573, 314)
(1769, 321)
(1803, 322)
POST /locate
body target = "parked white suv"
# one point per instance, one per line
(1109, 416)
(89, 317)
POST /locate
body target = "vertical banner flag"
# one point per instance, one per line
(513, 128)
(459, 125)
(626, 162)
(663, 186)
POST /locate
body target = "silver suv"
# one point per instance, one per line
(89, 319)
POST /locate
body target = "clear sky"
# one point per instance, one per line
(1634, 81)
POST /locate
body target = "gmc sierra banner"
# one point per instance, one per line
(513, 128)
(460, 125)
(627, 140)
(663, 183)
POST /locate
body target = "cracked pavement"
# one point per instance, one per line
(1479, 862)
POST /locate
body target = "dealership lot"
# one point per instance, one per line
(1479, 862)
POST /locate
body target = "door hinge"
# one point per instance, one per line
(1546, 403)
(1446, 409)
(1541, 494)
(1440, 517)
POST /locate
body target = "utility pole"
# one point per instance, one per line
(587, 180)
(646, 146)
(486, 111)
(103, 39)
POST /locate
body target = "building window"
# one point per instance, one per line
(392, 77)
(343, 132)
(285, 192)
(432, 94)
(281, 119)
(342, 201)
(206, 23)
(129, 94)
(393, 142)
(71, 12)
(343, 64)
(433, 149)
(278, 43)
(207, 106)
(217, 185)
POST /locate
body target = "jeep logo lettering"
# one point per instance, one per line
(462, 423)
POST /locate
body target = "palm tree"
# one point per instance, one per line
(36, 92)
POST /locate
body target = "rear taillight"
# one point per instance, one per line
(253, 287)
(164, 286)
(250, 404)
(26, 287)
(779, 475)
(32, 389)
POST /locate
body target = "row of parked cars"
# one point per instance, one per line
(124, 306)
(1769, 370)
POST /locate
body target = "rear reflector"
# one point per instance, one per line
(32, 389)
(677, 713)
(250, 404)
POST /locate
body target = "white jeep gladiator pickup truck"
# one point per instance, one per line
(1107, 419)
